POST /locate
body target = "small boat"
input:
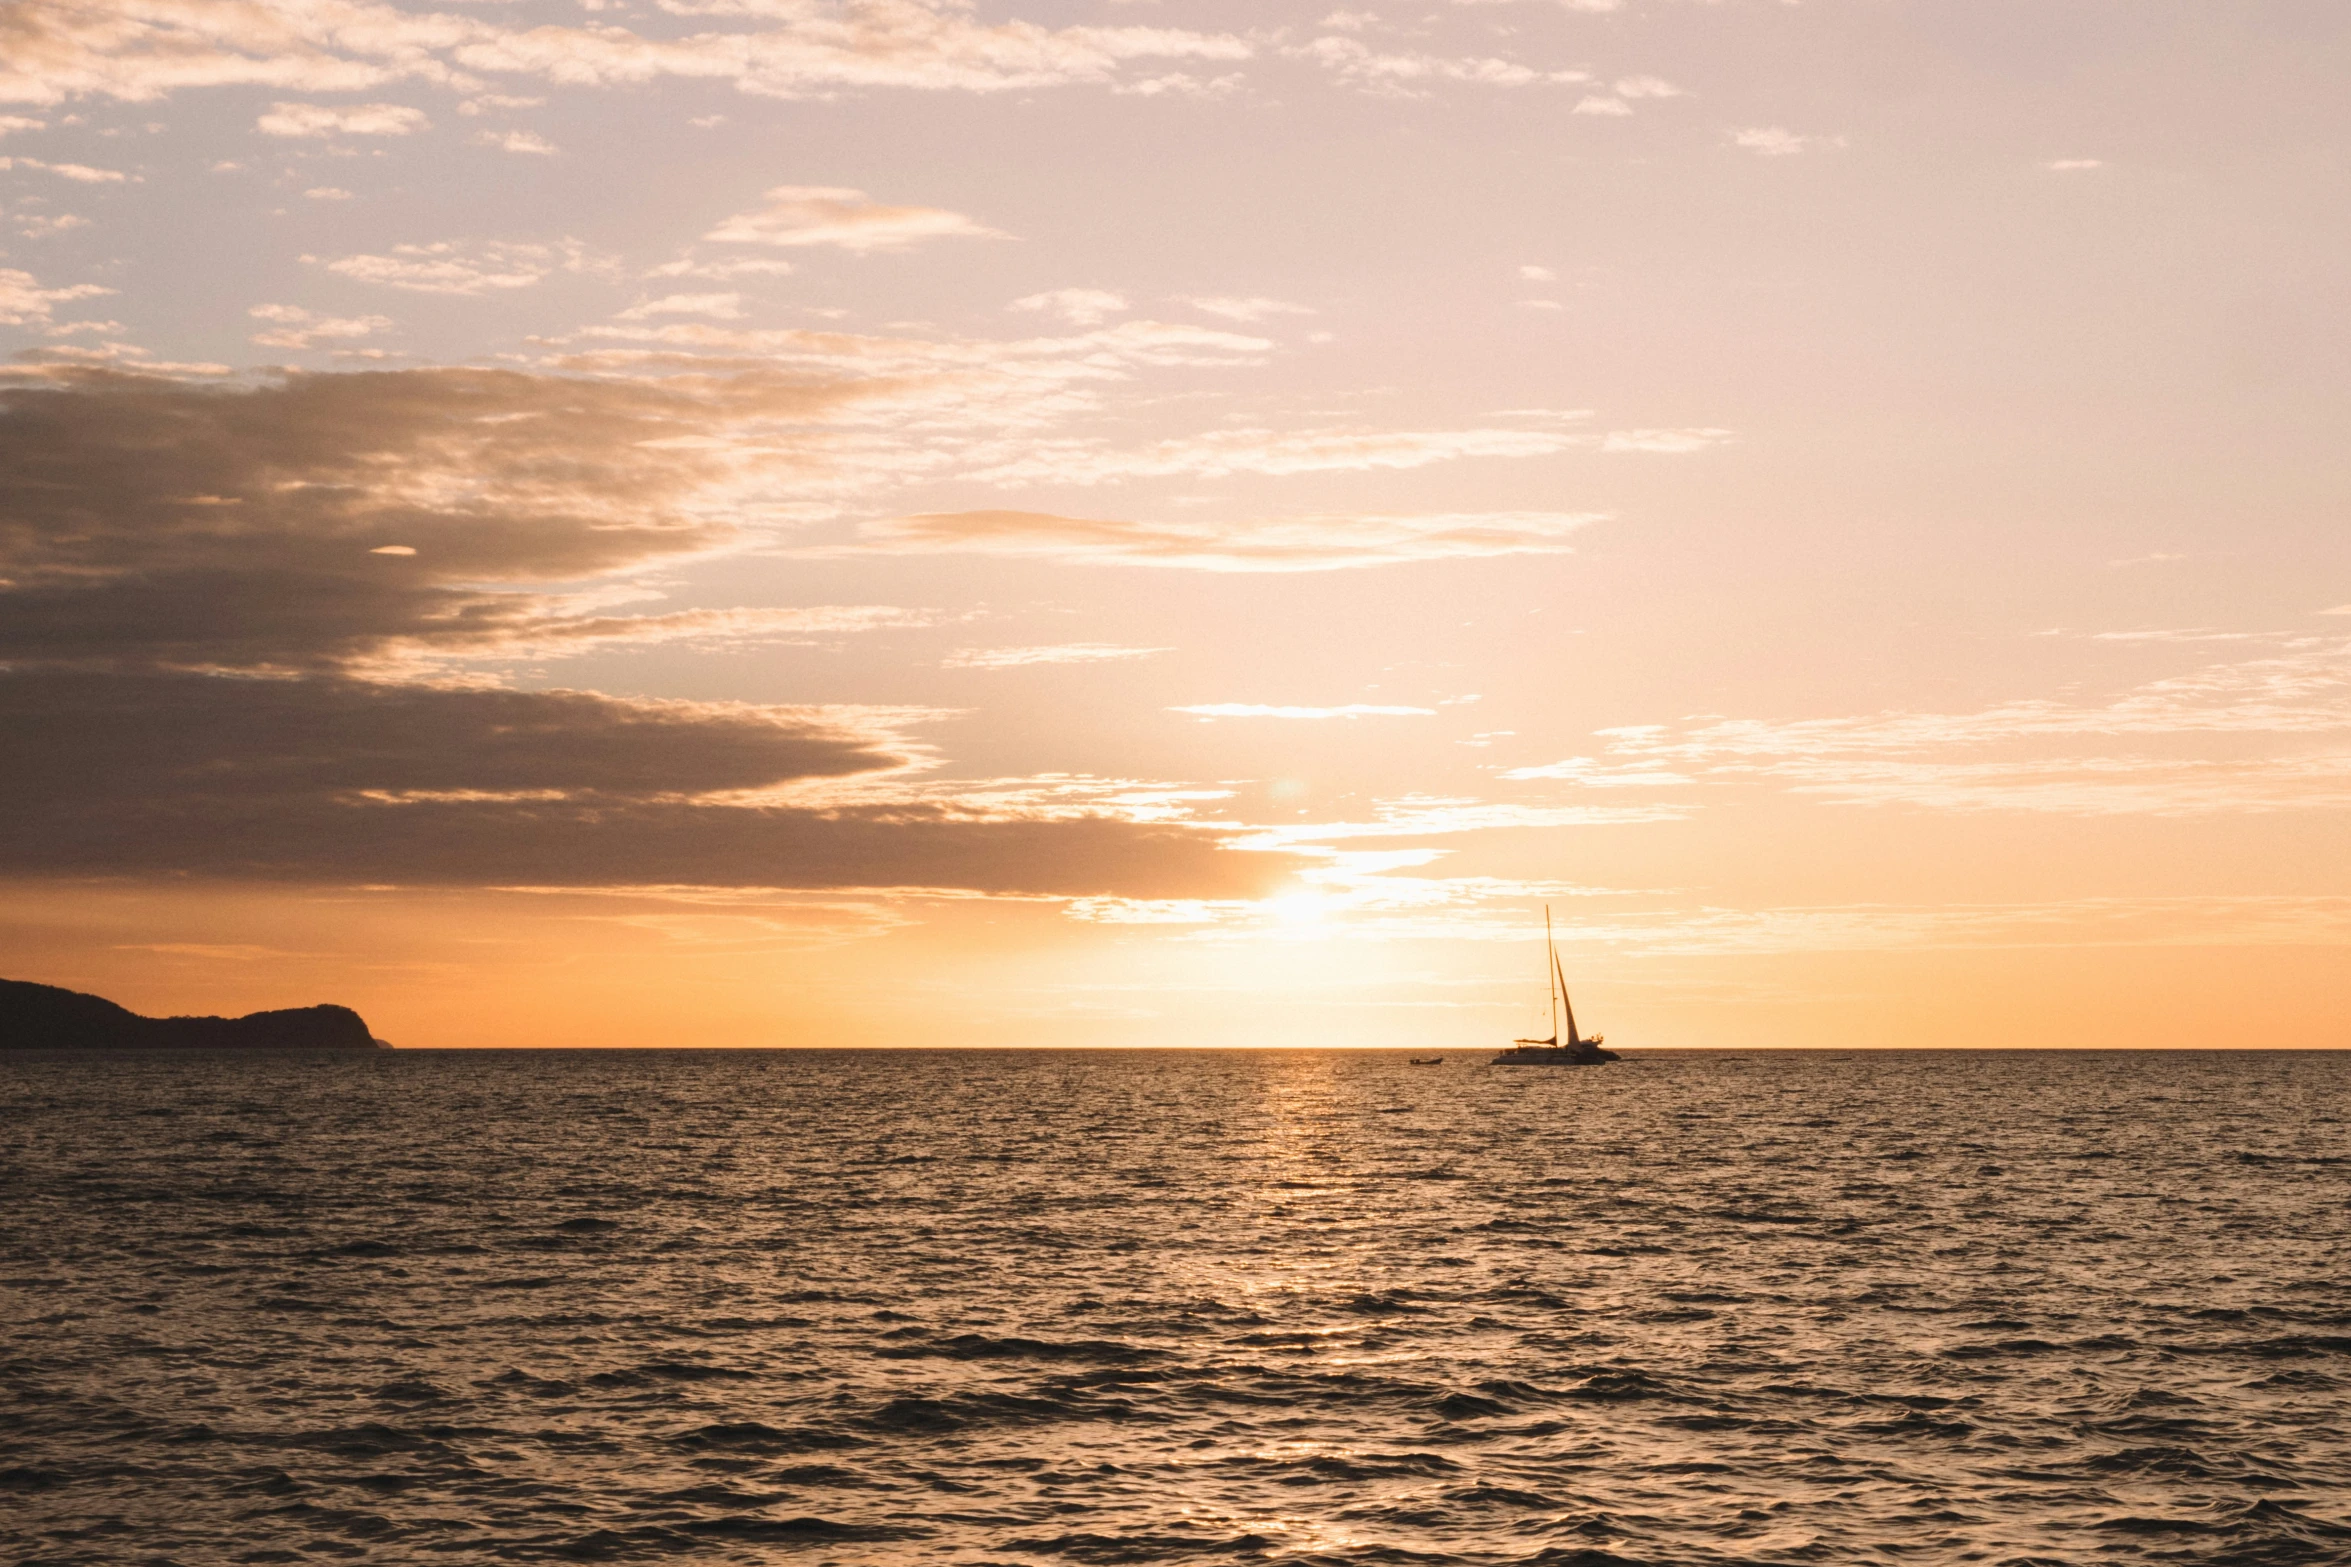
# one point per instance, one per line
(1424, 1060)
(1578, 1051)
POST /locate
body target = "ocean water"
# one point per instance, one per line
(1095, 1307)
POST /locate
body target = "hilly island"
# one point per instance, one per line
(49, 1017)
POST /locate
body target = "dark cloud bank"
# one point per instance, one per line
(200, 640)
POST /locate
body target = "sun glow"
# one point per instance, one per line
(1301, 912)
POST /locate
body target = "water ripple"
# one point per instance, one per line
(1300, 1308)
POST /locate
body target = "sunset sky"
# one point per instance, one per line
(764, 522)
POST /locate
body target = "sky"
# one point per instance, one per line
(1132, 522)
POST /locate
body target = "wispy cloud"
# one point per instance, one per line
(61, 51)
(42, 225)
(1220, 453)
(2282, 716)
(318, 119)
(1081, 306)
(1357, 63)
(2060, 924)
(738, 267)
(1593, 774)
(716, 307)
(1244, 307)
(1053, 653)
(801, 215)
(24, 302)
(1773, 141)
(79, 173)
(1438, 816)
(530, 143)
(1647, 87)
(294, 327)
(464, 267)
(1264, 710)
(1314, 543)
(1670, 441)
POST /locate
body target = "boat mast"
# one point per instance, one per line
(1551, 976)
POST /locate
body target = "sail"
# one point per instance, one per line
(1559, 976)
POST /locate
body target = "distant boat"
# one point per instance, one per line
(1425, 1060)
(1578, 1051)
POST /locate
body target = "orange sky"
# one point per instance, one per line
(1101, 523)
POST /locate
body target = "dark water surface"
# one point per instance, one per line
(1289, 1307)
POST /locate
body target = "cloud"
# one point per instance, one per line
(56, 50)
(1220, 453)
(1056, 653)
(556, 635)
(517, 141)
(1261, 710)
(1664, 440)
(1407, 75)
(2073, 165)
(341, 781)
(299, 328)
(1538, 274)
(1250, 307)
(79, 173)
(848, 219)
(1081, 306)
(153, 522)
(749, 266)
(462, 267)
(216, 604)
(1180, 84)
(24, 302)
(2262, 734)
(1313, 543)
(1771, 141)
(33, 225)
(1592, 774)
(1433, 816)
(318, 119)
(327, 193)
(1461, 910)
(718, 307)
(1026, 383)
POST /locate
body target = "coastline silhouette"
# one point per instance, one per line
(50, 1017)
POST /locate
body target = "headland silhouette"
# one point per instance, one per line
(50, 1017)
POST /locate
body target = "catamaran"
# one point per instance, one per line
(1578, 1051)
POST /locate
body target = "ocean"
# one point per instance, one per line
(1081, 1307)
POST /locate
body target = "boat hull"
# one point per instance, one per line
(1555, 1055)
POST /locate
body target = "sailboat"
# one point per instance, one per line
(1578, 1051)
